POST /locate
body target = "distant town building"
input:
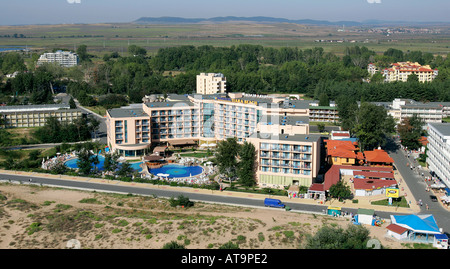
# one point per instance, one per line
(323, 113)
(64, 58)
(36, 115)
(400, 109)
(438, 154)
(402, 70)
(211, 83)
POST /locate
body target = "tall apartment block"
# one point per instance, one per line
(211, 83)
(64, 58)
(279, 128)
(438, 154)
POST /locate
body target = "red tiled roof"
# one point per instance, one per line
(332, 176)
(339, 148)
(316, 187)
(377, 175)
(341, 134)
(371, 184)
(378, 156)
(360, 155)
(396, 228)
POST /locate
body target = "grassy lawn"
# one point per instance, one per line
(446, 120)
(195, 155)
(325, 123)
(401, 202)
(97, 109)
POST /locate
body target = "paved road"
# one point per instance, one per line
(101, 134)
(167, 192)
(417, 185)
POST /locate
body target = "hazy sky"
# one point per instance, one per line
(92, 11)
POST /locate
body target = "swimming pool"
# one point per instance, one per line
(72, 163)
(174, 170)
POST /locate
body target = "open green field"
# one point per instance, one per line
(105, 38)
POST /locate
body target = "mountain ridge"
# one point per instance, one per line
(268, 20)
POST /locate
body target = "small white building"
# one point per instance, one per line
(365, 216)
(396, 231)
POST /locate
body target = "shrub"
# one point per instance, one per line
(229, 245)
(34, 227)
(173, 245)
(181, 201)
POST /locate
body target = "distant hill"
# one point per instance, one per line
(261, 19)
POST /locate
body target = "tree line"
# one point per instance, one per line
(248, 68)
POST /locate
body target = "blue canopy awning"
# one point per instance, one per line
(417, 223)
(441, 237)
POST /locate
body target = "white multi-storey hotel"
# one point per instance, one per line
(64, 58)
(211, 83)
(402, 70)
(277, 127)
(438, 154)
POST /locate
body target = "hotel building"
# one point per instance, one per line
(402, 70)
(438, 154)
(323, 113)
(64, 58)
(211, 83)
(278, 127)
(36, 115)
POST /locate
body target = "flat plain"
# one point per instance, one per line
(108, 37)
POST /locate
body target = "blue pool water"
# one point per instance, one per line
(175, 170)
(72, 163)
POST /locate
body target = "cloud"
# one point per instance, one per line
(374, 1)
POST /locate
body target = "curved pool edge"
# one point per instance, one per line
(163, 170)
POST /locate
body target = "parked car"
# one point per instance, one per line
(433, 198)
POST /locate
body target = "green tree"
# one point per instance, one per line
(125, 169)
(51, 132)
(72, 103)
(321, 126)
(111, 163)
(84, 161)
(83, 54)
(136, 50)
(347, 108)
(246, 165)
(373, 126)
(340, 190)
(413, 78)
(324, 100)
(354, 237)
(410, 131)
(226, 157)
